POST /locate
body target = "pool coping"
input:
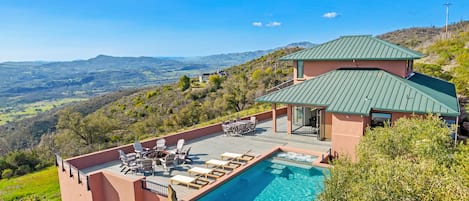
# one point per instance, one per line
(210, 187)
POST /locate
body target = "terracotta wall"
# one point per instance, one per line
(315, 68)
(70, 188)
(346, 133)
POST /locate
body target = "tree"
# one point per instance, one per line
(215, 81)
(184, 83)
(413, 160)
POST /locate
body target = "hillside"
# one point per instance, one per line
(160, 110)
(418, 38)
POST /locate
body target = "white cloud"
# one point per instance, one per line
(257, 24)
(273, 24)
(330, 15)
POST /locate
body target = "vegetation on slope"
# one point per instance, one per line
(415, 159)
(161, 110)
(42, 185)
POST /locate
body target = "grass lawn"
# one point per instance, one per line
(42, 185)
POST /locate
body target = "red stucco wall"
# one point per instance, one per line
(346, 133)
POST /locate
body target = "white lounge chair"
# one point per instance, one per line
(207, 172)
(236, 156)
(222, 164)
(189, 181)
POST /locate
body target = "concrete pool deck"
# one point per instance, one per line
(212, 146)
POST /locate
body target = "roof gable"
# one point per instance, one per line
(361, 47)
(358, 91)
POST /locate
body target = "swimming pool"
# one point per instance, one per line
(276, 178)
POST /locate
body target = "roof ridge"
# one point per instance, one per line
(404, 81)
(307, 49)
(407, 50)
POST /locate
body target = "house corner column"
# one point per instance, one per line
(274, 117)
(289, 117)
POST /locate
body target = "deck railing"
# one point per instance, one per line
(72, 171)
(280, 86)
(154, 187)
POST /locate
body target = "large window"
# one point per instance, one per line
(379, 119)
(300, 69)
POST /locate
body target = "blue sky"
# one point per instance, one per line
(81, 29)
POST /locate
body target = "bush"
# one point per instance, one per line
(7, 173)
(22, 170)
(413, 160)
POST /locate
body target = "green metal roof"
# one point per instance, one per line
(358, 91)
(362, 47)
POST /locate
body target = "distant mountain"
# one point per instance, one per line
(231, 59)
(37, 80)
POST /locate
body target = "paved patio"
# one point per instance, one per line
(212, 146)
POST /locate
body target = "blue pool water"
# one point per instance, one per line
(272, 179)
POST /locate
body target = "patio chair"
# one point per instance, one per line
(126, 159)
(227, 130)
(180, 146)
(139, 149)
(207, 172)
(196, 182)
(160, 145)
(132, 166)
(236, 156)
(183, 156)
(168, 161)
(222, 164)
(146, 165)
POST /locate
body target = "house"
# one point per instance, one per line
(204, 77)
(347, 84)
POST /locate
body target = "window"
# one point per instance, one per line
(379, 119)
(299, 69)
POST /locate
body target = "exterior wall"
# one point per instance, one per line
(346, 133)
(70, 188)
(315, 68)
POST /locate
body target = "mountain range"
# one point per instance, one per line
(29, 82)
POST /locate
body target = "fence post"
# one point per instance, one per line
(88, 183)
(63, 168)
(70, 168)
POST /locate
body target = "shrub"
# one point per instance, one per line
(7, 173)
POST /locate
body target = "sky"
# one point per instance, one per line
(53, 30)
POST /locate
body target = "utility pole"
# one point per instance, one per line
(447, 4)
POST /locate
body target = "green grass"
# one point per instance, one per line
(41, 185)
(29, 110)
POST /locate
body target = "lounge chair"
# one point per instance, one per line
(189, 181)
(139, 149)
(160, 145)
(222, 164)
(207, 172)
(236, 156)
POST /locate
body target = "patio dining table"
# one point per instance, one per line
(240, 127)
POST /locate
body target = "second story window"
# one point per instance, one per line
(299, 69)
